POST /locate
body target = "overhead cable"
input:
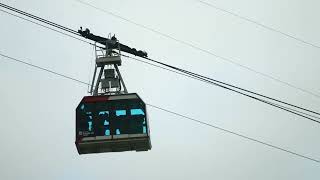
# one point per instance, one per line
(236, 134)
(46, 27)
(259, 24)
(227, 84)
(231, 88)
(42, 68)
(178, 114)
(39, 19)
(206, 81)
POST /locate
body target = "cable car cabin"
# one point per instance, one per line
(112, 123)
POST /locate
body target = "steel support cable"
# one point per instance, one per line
(258, 99)
(46, 27)
(259, 24)
(43, 69)
(227, 84)
(217, 84)
(245, 90)
(93, 44)
(296, 112)
(39, 19)
(235, 133)
(177, 114)
(199, 49)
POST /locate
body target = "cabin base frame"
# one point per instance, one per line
(114, 144)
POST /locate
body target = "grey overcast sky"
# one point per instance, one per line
(37, 130)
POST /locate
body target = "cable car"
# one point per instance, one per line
(112, 123)
(111, 119)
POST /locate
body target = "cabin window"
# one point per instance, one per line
(136, 112)
(107, 132)
(90, 126)
(120, 112)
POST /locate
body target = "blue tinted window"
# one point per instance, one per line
(136, 112)
(90, 125)
(118, 131)
(103, 112)
(144, 130)
(120, 112)
(107, 132)
(106, 122)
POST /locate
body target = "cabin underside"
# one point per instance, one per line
(114, 143)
